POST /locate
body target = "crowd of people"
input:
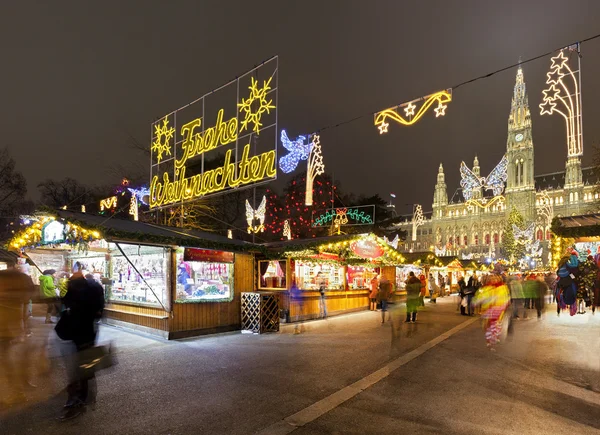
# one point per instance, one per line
(76, 302)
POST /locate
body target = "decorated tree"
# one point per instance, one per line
(290, 206)
(513, 250)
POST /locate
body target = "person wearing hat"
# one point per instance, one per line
(48, 292)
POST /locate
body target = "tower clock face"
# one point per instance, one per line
(519, 137)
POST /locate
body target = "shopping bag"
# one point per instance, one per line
(94, 359)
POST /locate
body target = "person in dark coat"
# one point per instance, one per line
(413, 290)
(84, 301)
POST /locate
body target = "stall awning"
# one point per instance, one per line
(587, 225)
(113, 229)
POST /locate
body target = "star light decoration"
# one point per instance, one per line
(162, 137)
(417, 221)
(315, 167)
(563, 96)
(256, 105)
(410, 117)
(258, 214)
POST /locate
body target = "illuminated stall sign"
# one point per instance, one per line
(367, 249)
(345, 216)
(224, 140)
(53, 232)
(208, 255)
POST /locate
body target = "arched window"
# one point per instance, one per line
(571, 197)
(465, 241)
(451, 240)
(540, 235)
(496, 238)
(548, 235)
(476, 239)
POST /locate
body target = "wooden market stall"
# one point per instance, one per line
(581, 232)
(346, 264)
(165, 281)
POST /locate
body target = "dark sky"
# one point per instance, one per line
(77, 76)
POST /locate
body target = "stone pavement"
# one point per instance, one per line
(435, 376)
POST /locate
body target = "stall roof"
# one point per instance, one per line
(299, 244)
(425, 257)
(8, 257)
(112, 228)
(587, 225)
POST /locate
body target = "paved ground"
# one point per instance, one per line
(345, 375)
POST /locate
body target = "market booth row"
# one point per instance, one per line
(581, 232)
(161, 280)
(345, 265)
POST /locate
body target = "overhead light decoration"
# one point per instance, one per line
(287, 231)
(341, 216)
(256, 105)
(411, 117)
(229, 234)
(108, 203)
(563, 96)
(417, 221)
(315, 167)
(523, 237)
(470, 182)
(298, 150)
(258, 214)
(484, 203)
(83, 209)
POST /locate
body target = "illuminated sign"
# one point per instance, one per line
(367, 248)
(208, 255)
(224, 140)
(345, 216)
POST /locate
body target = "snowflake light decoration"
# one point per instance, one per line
(163, 135)
(256, 105)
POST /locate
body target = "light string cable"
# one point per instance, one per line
(465, 82)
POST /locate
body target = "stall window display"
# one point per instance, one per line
(402, 274)
(204, 281)
(272, 274)
(150, 286)
(359, 277)
(306, 276)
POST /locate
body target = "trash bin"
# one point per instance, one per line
(260, 312)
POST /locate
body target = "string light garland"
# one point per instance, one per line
(568, 94)
(258, 214)
(315, 167)
(471, 183)
(298, 150)
(484, 203)
(410, 117)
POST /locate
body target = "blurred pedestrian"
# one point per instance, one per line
(84, 302)
(434, 290)
(441, 284)
(383, 296)
(494, 300)
(473, 286)
(48, 293)
(16, 289)
(462, 295)
(413, 291)
(373, 294)
(423, 290)
(322, 301)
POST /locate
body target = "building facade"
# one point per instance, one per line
(471, 224)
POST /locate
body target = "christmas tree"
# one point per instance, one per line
(513, 251)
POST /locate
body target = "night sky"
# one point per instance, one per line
(80, 76)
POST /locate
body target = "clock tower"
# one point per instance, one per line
(520, 186)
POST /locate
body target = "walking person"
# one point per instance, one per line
(434, 290)
(413, 291)
(423, 290)
(373, 294)
(462, 285)
(48, 293)
(383, 296)
(472, 287)
(494, 301)
(322, 301)
(84, 302)
(442, 284)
